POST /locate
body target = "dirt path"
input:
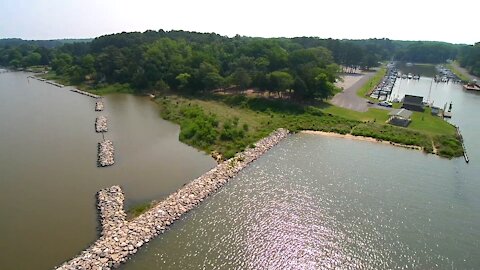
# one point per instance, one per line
(348, 97)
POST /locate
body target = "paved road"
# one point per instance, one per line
(348, 97)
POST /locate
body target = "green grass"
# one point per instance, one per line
(139, 209)
(101, 89)
(367, 88)
(372, 115)
(228, 124)
(457, 72)
(108, 89)
(434, 125)
(52, 76)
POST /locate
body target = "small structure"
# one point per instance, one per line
(400, 117)
(413, 103)
(472, 86)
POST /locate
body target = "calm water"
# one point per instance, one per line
(420, 69)
(326, 203)
(48, 179)
(310, 203)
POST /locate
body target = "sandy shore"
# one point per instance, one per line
(359, 138)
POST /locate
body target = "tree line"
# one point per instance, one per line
(469, 58)
(301, 68)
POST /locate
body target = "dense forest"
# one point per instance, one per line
(190, 62)
(469, 57)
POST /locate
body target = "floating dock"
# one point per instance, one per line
(105, 153)
(101, 124)
(99, 105)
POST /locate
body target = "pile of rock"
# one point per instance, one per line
(85, 93)
(120, 238)
(99, 105)
(101, 124)
(105, 153)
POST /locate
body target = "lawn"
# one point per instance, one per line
(228, 124)
(372, 83)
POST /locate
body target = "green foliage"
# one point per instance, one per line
(139, 209)
(469, 58)
(426, 52)
(448, 146)
(372, 83)
(394, 134)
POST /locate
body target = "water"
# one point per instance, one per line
(326, 203)
(310, 203)
(48, 180)
(420, 69)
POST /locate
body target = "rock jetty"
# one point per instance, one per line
(101, 124)
(99, 105)
(55, 84)
(120, 238)
(105, 153)
(47, 81)
(85, 93)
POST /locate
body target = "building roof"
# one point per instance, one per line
(401, 113)
(413, 100)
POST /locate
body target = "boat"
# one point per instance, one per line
(471, 87)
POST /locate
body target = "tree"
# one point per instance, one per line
(280, 81)
(241, 78)
(183, 80)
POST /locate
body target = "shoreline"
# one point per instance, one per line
(360, 138)
(119, 238)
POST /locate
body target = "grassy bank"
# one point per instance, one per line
(372, 82)
(101, 89)
(227, 124)
(462, 76)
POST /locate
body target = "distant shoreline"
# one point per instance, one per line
(360, 138)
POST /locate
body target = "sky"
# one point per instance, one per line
(341, 19)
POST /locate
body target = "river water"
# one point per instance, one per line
(326, 203)
(48, 172)
(311, 202)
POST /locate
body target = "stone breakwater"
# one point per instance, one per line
(85, 93)
(105, 153)
(99, 105)
(101, 124)
(120, 238)
(47, 81)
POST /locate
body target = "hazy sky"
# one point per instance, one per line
(405, 20)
